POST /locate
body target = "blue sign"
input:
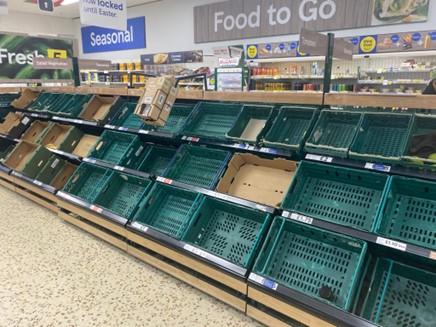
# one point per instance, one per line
(98, 39)
(416, 37)
(432, 35)
(395, 38)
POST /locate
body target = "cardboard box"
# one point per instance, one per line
(98, 108)
(63, 176)
(14, 125)
(256, 179)
(62, 137)
(85, 145)
(172, 96)
(36, 130)
(26, 98)
(164, 83)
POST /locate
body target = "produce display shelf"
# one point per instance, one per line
(373, 238)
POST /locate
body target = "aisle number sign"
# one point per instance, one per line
(368, 44)
(252, 52)
(57, 53)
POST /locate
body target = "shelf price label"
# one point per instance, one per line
(140, 227)
(164, 180)
(143, 131)
(301, 218)
(37, 182)
(263, 281)
(319, 158)
(432, 255)
(96, 209)
(392, 244)
(378, 167)
(119, 168)
(195, 250)
(110, 126)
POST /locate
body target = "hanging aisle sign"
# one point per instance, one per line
(104, 13)
(98, 39)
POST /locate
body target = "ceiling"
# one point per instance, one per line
(70, 11)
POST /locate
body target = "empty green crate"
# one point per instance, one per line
(118, 148)
(381, 137)
(177, 119)
(7, 98)
(73, 107)
(227, 230)
(53, 166)
(87, 182)
(333, 133)
(42, 102)
(125, 116)
(156, 160)
(212, 120)
(251, 123)
(320, 264)
(344, 196)
(122, 193)
(291, 128)
(422, 125)
(198, 166)
(56, 102)
(168, 209)
(409, 212)
(401, 295)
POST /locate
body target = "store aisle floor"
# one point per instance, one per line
(53, 274)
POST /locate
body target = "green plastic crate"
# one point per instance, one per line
(409, 212)
(168, 209)
(125, 116)
(333, 133)
(118, 148)
(229, 231)
(156, 160)
(401, 295)
(53, 166)
(422, 125)
(381, 137)
(321, 264)
(212, 120)
(121, 193)
(198, 166)
(251, 123)
(344, 196)
(177, 119)
(87, 182)
(42, 102)
(291, 128)
(73, 107)
(56, 102)
(7, 98)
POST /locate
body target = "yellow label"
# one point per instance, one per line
(252, 52)
(368, 44)
(56, 53)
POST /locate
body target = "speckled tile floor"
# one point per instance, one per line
(53, 274)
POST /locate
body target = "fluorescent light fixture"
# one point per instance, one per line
(68, 2)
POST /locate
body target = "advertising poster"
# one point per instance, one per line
(399, 11)
(17, 53)
(172, 58)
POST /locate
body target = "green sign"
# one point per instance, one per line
(18, 51)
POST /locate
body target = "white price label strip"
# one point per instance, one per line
(96, 209)
(119, 168)
(301, 218)
(264, 281)
(164, 180)
(432, 255)
(195, 250)
(319, 158)
(392, 244)
(139, 226)
(378, 167)
(37, 183)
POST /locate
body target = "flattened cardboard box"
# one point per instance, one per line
(256, 179)
(99, 108)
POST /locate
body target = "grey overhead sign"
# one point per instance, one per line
(241, 19)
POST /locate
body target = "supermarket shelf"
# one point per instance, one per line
(91, 212)
(315, 98)
(7, 137)
(374, 166)
(31, 181)
(366, 236)
(397, 71)
(69, 156)
(381, 100)
(298, 77)
(298, 306)
(392, 82)
(116, 167)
